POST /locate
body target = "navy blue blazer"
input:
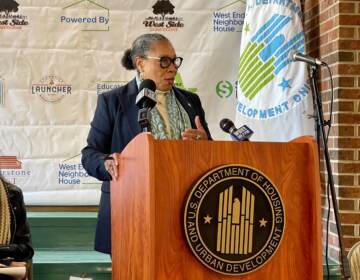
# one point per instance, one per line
(114, 125)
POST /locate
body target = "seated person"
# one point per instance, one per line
(15, 243)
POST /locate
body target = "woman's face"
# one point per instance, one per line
(150, 68)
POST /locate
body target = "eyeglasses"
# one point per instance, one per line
(166, 61)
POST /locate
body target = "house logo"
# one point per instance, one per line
(2, 91)
(163, 18)
(9, 16)
(11, 168)
(78, 14)
(229, 17)
(9, 162)
(234, 219)
(51, 88)
(270, 84)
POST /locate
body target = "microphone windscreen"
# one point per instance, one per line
(149, 84)
(226, 125)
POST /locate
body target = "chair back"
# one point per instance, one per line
(354, 261)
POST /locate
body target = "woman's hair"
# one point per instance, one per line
(139, 48)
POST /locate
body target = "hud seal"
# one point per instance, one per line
(234, 219)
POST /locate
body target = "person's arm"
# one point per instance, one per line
(98, 141)
(20, 248)
(201, 114)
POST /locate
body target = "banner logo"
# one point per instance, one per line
(180, 84)
(51, 88)
(229, 21)
(105, 86)
(265, 70)
(2, 92)
(225, 89)
(164, 18)
(234, 219)
(11, 168)
(9, 18)
(98, 21)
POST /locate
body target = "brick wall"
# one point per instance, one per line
(332, 30)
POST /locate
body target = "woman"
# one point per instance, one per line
(15, 243)
(178, 114)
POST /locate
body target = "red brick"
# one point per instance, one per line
(349, 192)
(349, 143)
(348, 230)
(347, 93)
(327, 25)
(344, 180)
(349, 69)
(348, 168)
(350, 241)
(347, 204)
(344, 106)
(349, 20)
(347, 32)
(347, 7)
(345, 118)
(349, 45)
(350, 218)
(342, 155)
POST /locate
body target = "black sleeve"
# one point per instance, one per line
(98, 141)
(201, 114)
(20, 248)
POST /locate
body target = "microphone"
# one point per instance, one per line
(145, 101)
(298, 56)
(146, 97)
(238, 134)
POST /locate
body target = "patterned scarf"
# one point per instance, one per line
(168, 112)
(5, 233)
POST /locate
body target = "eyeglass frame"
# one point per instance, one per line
(172, 60)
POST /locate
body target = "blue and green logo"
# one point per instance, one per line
(269, 83)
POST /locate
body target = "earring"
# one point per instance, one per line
(141, 76)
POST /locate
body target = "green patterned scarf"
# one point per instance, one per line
(178, 119)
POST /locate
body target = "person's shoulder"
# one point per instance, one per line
(186, 93)
(12, 189)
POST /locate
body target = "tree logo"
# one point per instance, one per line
(8, 6)
(163, 7)
(163, 18)
(9, 18)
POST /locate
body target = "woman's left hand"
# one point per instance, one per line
(195, 134)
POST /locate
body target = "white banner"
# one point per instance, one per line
(58, 55)
(274, 98)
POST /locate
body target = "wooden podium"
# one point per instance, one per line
(147, 204)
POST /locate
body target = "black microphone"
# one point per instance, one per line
(298, 56)
(238, 134)
(146, 97)
(146, 100)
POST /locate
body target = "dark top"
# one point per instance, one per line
(20, 248)
(114, 125)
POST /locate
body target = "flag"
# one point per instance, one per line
(273, 94)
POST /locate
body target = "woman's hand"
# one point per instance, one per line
(111, 165)
(195, 134)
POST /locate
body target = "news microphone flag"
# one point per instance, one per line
(274, 97)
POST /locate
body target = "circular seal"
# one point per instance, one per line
(234, 219)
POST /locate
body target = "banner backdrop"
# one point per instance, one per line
(58, 55)
(274, 98)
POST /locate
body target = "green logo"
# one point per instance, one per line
(224, 89)
(180, 84)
